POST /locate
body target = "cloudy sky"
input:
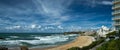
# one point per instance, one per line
(54, 15)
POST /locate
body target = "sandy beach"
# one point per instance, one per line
(81, 41)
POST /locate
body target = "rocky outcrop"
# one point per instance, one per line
(3, 48)
(23, 47)
(2, 38)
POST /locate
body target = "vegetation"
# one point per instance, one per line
(111, 34)
(74, 48)
(118, 33)
(111, 45)
(88, 47)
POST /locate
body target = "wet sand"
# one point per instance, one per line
(81, 41)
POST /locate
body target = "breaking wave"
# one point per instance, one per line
(37, 40)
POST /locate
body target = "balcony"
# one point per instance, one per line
(116, 18)
(117, 6)
(116, 23)
(117, 12)
(116, 1)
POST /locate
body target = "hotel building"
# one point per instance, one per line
(116, 14)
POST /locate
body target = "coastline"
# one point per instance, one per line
(80, 41)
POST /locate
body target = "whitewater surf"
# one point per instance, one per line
(36, 40)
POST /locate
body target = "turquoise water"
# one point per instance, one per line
(35, 39)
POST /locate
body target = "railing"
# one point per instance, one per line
(116, 6)
(117, 23)
(116, 12)
(116, 1)
(116, 18)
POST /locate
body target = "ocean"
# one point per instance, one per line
(32, 40)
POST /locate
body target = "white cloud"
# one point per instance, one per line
(53, 11)
(60, 27)
(94, 3)
(106, 2)
(13, 27)
(39, 26)
(49, 28)
(33, 26)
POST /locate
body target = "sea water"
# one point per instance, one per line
(40, 40)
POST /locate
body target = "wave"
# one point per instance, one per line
(13, 36)
(72, 34)
(10, 43)
(38, 40)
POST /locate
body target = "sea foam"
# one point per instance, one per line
(38, 40)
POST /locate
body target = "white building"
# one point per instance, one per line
(103, 31)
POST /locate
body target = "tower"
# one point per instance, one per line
(116, 14)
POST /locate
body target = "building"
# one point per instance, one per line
(103, 31)
(116, 14)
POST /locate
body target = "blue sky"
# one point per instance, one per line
(54, 15)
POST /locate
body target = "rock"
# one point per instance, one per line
(2, 38)
(3, 48)
(23, 47)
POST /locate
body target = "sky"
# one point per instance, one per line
(54, 15)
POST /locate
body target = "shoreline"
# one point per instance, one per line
(80, 41)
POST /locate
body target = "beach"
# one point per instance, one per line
(80, 41)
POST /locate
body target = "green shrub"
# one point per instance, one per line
(95, 43)
(111, 33)
(74, 48)
(111, 45)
